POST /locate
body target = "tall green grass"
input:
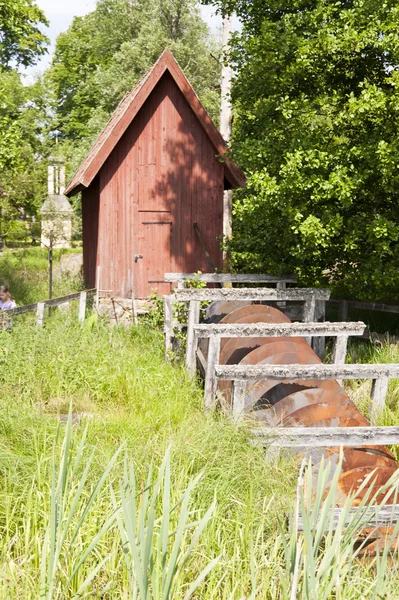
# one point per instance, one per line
(25, 272)
(81, 518)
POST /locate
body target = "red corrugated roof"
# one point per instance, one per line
(127, 110)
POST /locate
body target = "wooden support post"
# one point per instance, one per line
(319, 343)
(343, 310)
(281, 285)
(309, 310)
(192, 338)
(210, 376)
(379, 391)
(168, 330)
(339, 352)
(238, 395)
(82, 306)
(40, 313)
(340, 347)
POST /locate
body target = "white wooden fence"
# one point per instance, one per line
(39, 307)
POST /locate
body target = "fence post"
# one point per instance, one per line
(210, 377)
(168, 325)
(40, 313)
(192, 338)
(378, 396)
(82, 306)
(343, 310)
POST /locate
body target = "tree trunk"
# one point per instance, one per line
(225, 130)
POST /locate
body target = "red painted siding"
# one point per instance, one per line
(166, 164)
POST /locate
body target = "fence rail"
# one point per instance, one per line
(344, 305)
(39, 307)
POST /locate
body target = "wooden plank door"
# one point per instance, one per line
(153, 256)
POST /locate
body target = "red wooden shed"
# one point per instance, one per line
(159, 167)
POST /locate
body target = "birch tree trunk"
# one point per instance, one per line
(225, 130)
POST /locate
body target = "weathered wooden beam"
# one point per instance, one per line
(193, 319)
(282, 372)
(367, 516)
(324, 437)
(230, 278)
(279, 329)
(210, 377)
(202, 361)
(319, 343)
(257, 294)
(239, 389)
(379, 390)
(340, 348)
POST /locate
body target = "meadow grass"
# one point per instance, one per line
(25, 272)
(61, 498)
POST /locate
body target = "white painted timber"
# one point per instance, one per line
(324, 437)
(282, 372)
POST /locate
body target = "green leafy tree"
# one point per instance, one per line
(105, 53)
(21, 40)
(22, 148)
(316, 130)
(21, 110)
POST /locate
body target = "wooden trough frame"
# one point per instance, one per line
(340, 331)
(313, 309)
(39, 307)
(380, 374)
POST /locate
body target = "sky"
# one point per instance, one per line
(60, 14)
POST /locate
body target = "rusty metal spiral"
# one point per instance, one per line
(310, 403)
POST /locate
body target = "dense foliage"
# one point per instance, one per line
(21, 112)
(316, 129)
(21, 40)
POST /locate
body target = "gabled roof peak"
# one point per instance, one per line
(128, 109)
